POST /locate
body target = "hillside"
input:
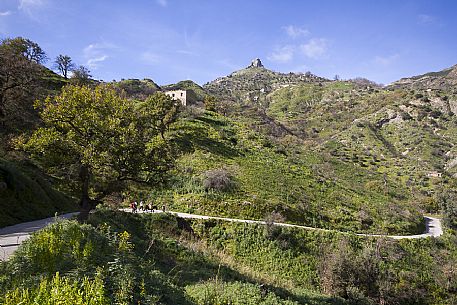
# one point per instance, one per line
(198, 92)
(138, 89)
(26, 195)
(230, 170)
(406, 135)
(444, 80)
(255, 82)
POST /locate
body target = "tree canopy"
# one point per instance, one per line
(20, 75)
(102, 139)
(27, 48)
(64, 64)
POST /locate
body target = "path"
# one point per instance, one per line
(433, 226)
(11, 237)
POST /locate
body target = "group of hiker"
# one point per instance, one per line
(144, 207)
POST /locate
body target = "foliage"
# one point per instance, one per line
(234, 293)
(217, 179)
(101, 136)
(138, 89)
(447, 200)
(162, 110)
(99, 263)
(64, 64)
(27, 48)
(302, 186)
(59, 290)
(20, 76)
(28, 196)
(81, 76)
(163, 259)
(210, 103)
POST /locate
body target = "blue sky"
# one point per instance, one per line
(173, 40)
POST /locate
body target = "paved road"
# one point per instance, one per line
(11, 237)
(433, 226)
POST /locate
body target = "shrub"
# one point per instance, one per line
(218, 180)
(59, 290)
(234, 293)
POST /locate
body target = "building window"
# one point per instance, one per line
(173, 94)
(182, 94)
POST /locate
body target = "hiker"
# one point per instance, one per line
(150, 207)
(135, 205)
(141, 205)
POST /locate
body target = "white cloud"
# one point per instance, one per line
(95, 53)
(29, 6)
(295, 31)
(150, 57)
(7, 13)
(315, 48)
(282, 55)
(162, 3)
(386, 60)
(93, 62)
(425, 19)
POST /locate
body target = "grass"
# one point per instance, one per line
(302, 186)
(146, 258)
(28, 196)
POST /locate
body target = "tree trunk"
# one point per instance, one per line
(84, 175)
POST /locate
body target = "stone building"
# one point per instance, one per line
(434, 174)
(179, 95)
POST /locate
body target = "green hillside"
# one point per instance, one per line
(196, 89)
(230, 170)
(26, 196)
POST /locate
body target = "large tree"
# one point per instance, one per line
(20, 76)
(104, 136)
(64, 64)
(27, 48)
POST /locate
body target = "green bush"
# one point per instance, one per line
(233, 293)
(59, 290)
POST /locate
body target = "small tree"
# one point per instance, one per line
(103, 137)
(447, 200)
(64, 64)
(81, 76)
(163, 109)
(210, 103)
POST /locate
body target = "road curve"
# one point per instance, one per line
(433, 226)
(11, 237)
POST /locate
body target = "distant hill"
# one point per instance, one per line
(255, 82)
(136, 88)
(198, 92)
(442, 80)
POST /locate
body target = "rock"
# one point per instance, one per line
(256, 63)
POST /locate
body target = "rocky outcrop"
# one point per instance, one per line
(256, 63)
